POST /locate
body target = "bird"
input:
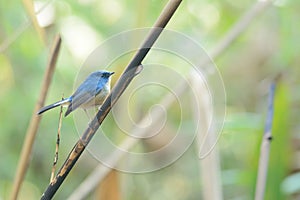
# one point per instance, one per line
(91, 92)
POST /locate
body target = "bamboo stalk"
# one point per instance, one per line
(210, 169)
(35, 120)
(265, 149)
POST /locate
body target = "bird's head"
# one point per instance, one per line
(102, 77)
(103, 74)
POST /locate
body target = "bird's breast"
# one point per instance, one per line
(100, 97)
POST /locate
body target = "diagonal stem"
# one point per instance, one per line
(132, 69)
(265, 149)
(35, 120)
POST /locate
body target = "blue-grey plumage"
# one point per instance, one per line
(92, 92)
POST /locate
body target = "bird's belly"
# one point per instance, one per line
(98, 100)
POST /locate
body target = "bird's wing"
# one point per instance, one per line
(85, 93)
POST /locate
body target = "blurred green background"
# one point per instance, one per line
(269, 46)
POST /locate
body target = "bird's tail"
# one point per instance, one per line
(62, 102)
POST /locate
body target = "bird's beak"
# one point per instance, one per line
(111, 73)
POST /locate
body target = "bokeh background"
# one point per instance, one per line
(269, 47)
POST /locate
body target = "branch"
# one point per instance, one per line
(265, 150)
(101, 171)
(132, 69)
(35, 120)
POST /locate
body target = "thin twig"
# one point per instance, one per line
(101, 171)
(35, 119)
(57, 144)
(121, 85)
(265, 149)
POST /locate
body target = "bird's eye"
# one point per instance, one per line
(104, 75)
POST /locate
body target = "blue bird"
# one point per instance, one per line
(92, 92)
